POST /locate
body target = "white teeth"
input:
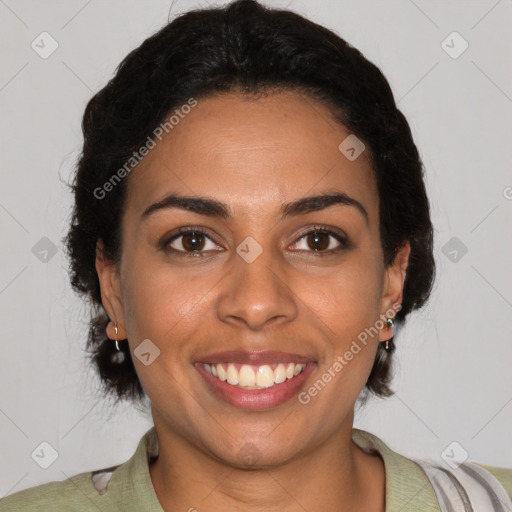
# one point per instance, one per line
(247, 378)
(279, 374)
(265, 376)
(232, 375)
(221, 373)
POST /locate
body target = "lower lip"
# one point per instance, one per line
(257, 399)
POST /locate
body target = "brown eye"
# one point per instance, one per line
(191, 242)
(321, 242)
(318, 241)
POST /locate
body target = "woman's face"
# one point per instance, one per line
(253, 279)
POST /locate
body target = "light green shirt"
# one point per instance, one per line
(128, 487)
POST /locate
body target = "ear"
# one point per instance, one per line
(111, 296)
(394, 279)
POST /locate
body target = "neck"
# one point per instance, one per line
(336, 476)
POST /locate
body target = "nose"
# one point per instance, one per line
(255, 294)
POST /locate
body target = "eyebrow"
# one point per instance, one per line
(213, 208)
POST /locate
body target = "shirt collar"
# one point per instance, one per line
(407, 487)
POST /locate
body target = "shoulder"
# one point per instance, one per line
(126, 487)
(76, 493)
(433, 486)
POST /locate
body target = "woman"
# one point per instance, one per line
(251, 221)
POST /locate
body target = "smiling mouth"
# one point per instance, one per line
(245, 376)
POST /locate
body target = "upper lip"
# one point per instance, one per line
(254, 358)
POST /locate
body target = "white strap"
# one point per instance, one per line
(469, 488)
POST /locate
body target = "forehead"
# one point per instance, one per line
(253, 154)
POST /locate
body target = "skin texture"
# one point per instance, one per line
(254, 155)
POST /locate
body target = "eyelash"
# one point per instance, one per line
(339, 237)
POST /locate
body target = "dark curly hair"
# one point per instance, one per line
(246, 48)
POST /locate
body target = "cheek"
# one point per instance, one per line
(159, 307)
(162, 304)
(350, 307)
(155, 295)
(348, 299)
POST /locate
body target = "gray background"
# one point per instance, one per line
(453, 359)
